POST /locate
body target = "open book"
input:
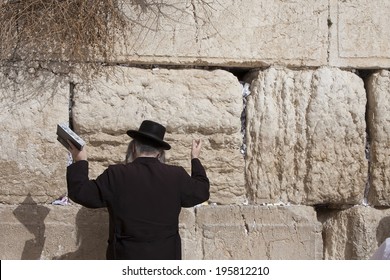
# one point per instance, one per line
(64, 134)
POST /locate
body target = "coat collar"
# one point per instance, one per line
(146, 160)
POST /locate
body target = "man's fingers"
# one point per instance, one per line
(196, 143)
(196, 147)
(71, 146)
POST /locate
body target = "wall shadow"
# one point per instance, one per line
(32, 216)
(91, 235)
(383, 230)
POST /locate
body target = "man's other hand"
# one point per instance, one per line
(77, 155)
(196, 147)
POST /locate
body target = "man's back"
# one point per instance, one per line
(144, 199)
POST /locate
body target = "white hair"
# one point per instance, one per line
(142, 148)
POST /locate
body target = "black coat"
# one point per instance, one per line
(144, 199)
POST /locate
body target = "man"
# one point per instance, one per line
(143, 197)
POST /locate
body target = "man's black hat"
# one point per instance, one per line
(150, 133)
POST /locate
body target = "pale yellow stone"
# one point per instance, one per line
(359, 33)
(192, 104)
(260, 232)
(306, 135)
(32, 102)
(231, 33)
(354, 233)
(378, 117)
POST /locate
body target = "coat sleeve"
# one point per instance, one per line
(82, 190)
(196, 188)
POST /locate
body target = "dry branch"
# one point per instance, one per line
(76, 30)
(62, 29)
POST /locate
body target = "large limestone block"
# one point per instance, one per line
(260, 232)
(42, 231)
(359, 33)
(306, 137)
(32, 102)
(354, 233)
(378, 114)
(229, 33)
(190, 103)
(191, 240)
(76, 233)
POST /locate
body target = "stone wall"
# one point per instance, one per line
(306, 134)
(32, 102)
(299, 168)
(190, 103)
(378, 124)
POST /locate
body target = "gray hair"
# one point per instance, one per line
(142, 148)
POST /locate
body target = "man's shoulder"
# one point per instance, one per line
(116, 167)
(172, 166)
(167, 167)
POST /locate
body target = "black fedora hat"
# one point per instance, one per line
(151, 133)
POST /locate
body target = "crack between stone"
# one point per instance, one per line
(330, 23)
(71, 104)
(246, 226)
(364, 75)
(367, 147)
(368, 179)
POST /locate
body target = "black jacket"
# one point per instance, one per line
(144, 199)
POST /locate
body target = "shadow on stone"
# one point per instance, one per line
(383, 230)
(32, 216)
(91, 235)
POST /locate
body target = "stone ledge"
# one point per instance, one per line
(260, 232)
(209, 232)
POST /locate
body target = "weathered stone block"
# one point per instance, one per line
(191, 240)
(32, 102)
(378, 115)
(195, 32)
(359, 33)
(33, 231)
(259, 232)
(191, 103)
(354, 233)
(306, 137)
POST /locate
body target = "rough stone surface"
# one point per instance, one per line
(378, 86)
(258, 232)
(354, 233)
(190, 103)
(359, 33)
(306, 137)
(34, 231)
(305, 128)
(263, 32)
(32, 102)
(190, 239)
(298, 33)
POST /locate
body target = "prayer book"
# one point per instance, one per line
(65, 134)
